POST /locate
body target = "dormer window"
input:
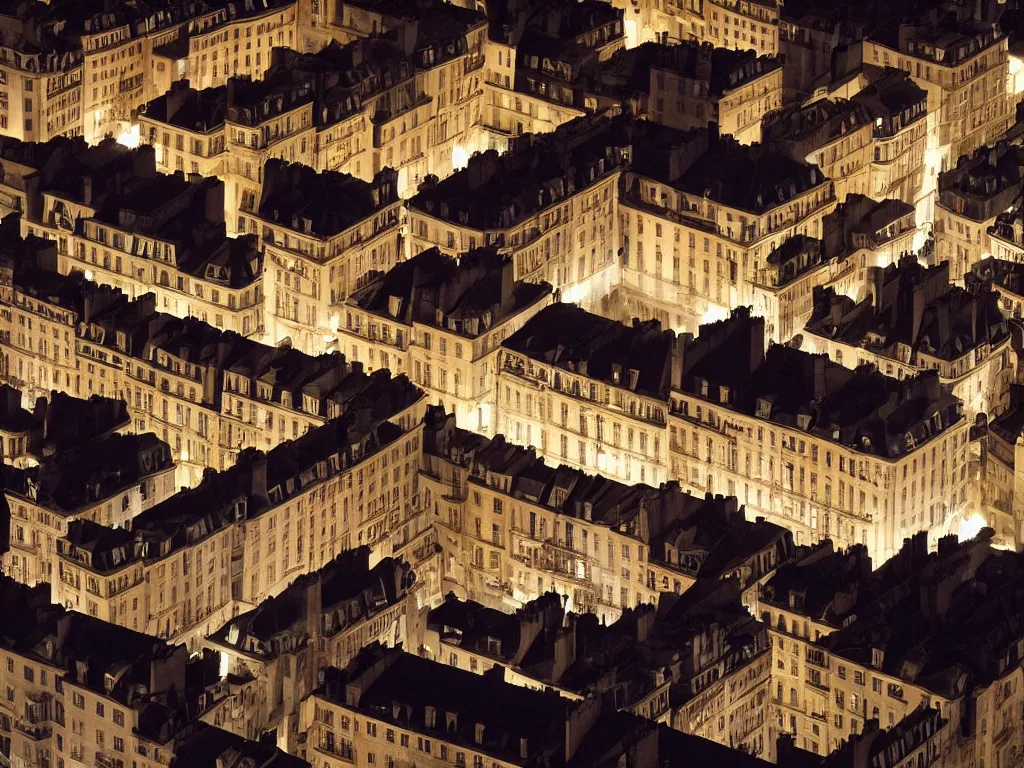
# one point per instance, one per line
(723, 395)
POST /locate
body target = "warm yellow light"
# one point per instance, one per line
(972, 526)
(129, 138)
(460, 157)
(713, 314)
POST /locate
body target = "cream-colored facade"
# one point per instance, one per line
(980, 377)
(184, 587)
(454, 360)
(586, 423)
(223, 45)
(737, 99)
(505, 550)
(36, 525)
(741, 24)
(54, 713)
(814, 486)
(310, 268)
(719, 252)
(507, 112)
(40, 94)
(824, 697)
(966, 83)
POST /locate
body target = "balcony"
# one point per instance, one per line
(34, 732)
(818, 686)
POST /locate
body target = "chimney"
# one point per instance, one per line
(213, 201)
(565, 651)
(144, 162)
(314, 606)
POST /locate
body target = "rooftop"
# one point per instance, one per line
(862, 409)
(322, 204)
(483, 712)
(912, 307)
(499, 192)
(636, 357)
(749, 178)
(340, 595)
(469, 296)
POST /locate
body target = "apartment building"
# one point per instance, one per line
(538, 58)
(511, 528)
(1006, 238)
(1001, 275)
(914, 320)
(829, 688)
(691, 84)
(963, 65)
(441, 322)
(437, 70)
(113, 217)
(366, 80)
(411, 709)
(76, 463)
(28, 164)
(970, 197)
(589, 392)
(409, 104)
(721, 690)
(720, 217)
(225, 42)
(205, 392)
(40, 91)
(503, 549)
(872, 144)
(807, 37)
(191, 563)
(322, 235)
(837, 135)
(266, 119)
(16, 426)
(79, 690)
(998, 486)
(552, 202)
(858, 236)
(900, 165)
(854, 456)
(922, 735)
(540, 647)
(321, 619)
(185, 128)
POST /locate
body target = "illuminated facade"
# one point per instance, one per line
(973, 363)
(698, 244)
(564, 228)
(441, 323)
(345, 606)
(970, 197)
(318, 251)
(963, 66)
(734, 428)
(589, 392)
(189, 564)
(686, 86)
(75, 463)
(827, 683)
